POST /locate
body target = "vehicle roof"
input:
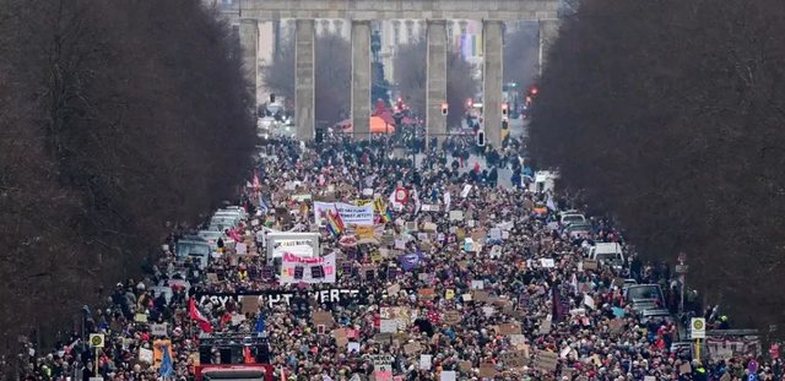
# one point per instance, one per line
(607, 248)
(656, 312)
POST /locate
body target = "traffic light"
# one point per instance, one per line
(505, 124)
(504, 109)
(480, 138)
(533, 91)
(444, 109)
(272, 98)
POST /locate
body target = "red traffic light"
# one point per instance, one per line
(534, 90)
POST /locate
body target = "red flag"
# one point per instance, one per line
(256, 184)
(195, 314)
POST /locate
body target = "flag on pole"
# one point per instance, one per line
(256, 184)
(167, 369)
(334, 223)
(382, 209)
(260, 324)
(417, 203)
(195, 314)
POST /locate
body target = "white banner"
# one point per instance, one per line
(296, 269)
(350, 214)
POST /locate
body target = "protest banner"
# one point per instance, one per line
(296, 269)
(350, 214)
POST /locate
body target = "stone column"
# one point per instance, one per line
(361, 78)
(304, 80)
(249, 41)
(436, 86)
(492, 77)
(549, 29)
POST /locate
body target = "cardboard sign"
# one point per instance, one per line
(547, 263)
(487, 370)
(250, 304)
(411, 348)
(685, 368)
(158, 329)
(456, 215)
(324, 318)
(546, 361)
(449, 294)
(517, 339)
(480, 295)
(429, 227)
(448, 375)
(509, 329)
(514, 359)
(590, 264)
(465, 366)
(452, 317)
(478, 284)
(140, 318)
(394, 289)
(212, 277)
(340, 337)
(364, 232)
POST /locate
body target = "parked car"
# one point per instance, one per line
(609, 253)
(644, 297)
(578, 230)
(572, 217)
(195, 248)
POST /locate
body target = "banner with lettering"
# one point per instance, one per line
(296, 269)
(350, 214)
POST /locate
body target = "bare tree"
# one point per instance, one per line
(667, 115)
(411, 78)
(521, 53)
(333, 77)
(110, 130)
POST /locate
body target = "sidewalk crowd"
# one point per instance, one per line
(496, 289)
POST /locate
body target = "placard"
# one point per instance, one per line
(546, 361)
(480, 295)
(426, 361)
(487, 370)
(453, 317)
(508, 329)
(411, 348)
(145, 355)
(456, 215)
(324, 318)
(547, 263)
(250, 304)
(295, 269)
(478, 284)
(158, 329)
(388, 326)
(426, 293)
(514, 359)
(590, 264)
(448, 375)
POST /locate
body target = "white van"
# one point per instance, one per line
(607, 252)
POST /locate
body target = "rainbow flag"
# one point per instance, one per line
(334, 223)
(382, 209)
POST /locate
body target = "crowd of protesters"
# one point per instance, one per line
(499, 291)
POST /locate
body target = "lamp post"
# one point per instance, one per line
(682, 269)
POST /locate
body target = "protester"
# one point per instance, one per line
(474, 278)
